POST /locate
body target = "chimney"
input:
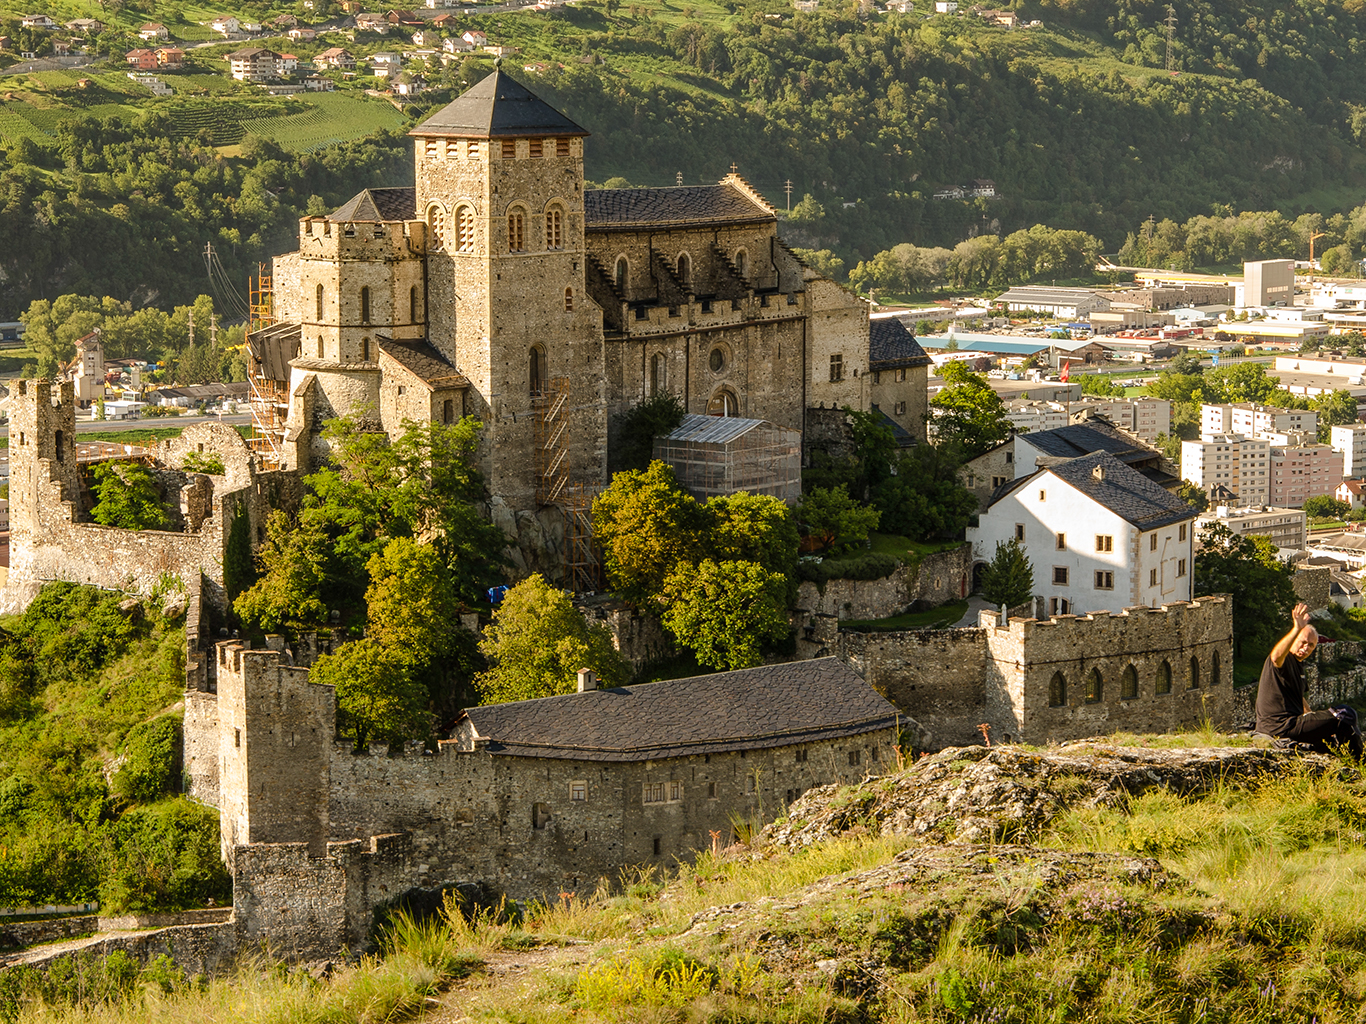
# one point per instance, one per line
(587, 680)
(1098, 472)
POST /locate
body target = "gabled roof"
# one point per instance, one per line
(1083, 438)
(1114, 486)
(892, 347)
(753, 709)
(377, 204)
(701, 429)
(629, 209)
(424, 363)
(498, 106)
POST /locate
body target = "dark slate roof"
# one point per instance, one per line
(377, 204)
(892, 347)
(425, 363)
(498, 106)
(1084, 438)
(1124, 491)
(756, 708)
(629, 209)
(904, 438)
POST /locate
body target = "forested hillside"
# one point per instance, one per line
(1076, 120)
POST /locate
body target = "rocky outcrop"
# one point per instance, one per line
(1010, 794)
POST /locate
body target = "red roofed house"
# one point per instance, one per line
(170, 56)
(143, 60)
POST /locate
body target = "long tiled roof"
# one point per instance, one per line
(424, 362)
(892, 347)
(498, 106)
(628, 209)
(757, 708)
(377, 204)
(1084, 438)
(1124, 491)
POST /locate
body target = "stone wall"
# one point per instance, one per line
(934, 580)
(937, 676)
(950, 681)
(207, 949)
(30, 933)
(639, 637)
(1312, 585)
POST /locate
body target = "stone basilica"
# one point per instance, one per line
(500, 287)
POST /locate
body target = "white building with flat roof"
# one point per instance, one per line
(1287, 528)
(1256, 421)
(1350, 441)
(1143, 415)
(1237, 463)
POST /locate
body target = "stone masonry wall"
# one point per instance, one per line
(937, 578)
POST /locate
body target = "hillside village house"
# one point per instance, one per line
(143, 60)
(170, 57)
(289, 63)
(457, 46)
(225, 25)
(335, 57)
(1352, 491)
(384, 64)
(306, 35)
(39, 21)
(1100, 535)
(372, 23)
(254, 64)
(475, 38)
(85, 25)
(151, 32)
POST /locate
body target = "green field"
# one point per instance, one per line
(335, 117)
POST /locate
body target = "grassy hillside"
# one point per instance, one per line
(90, 690)
(1088, 882)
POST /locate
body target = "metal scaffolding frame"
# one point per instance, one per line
(582, 569)
(268, 397)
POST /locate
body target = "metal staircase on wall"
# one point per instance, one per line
(268, 398)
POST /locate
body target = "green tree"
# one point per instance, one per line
(298, 569)
(1101, 385)
(822, 261)
(376, 692)
(1241, 382)
(1008, 579)
(1325, 506)
(1249, 569)
(638, 427)
(538, 641)
(968, 416)
(726, 611)
(410, 606)
(1193, 495)
(127, 497)
(646, 525)
(1336, 409)
(836, 519)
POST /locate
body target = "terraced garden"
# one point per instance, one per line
(335, 117)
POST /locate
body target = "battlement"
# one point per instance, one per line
(1211, 611)
(320, 238)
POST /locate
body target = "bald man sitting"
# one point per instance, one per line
(1281, 708)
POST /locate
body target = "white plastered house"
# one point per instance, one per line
(1100, 535)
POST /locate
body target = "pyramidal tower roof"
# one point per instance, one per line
(498, 106)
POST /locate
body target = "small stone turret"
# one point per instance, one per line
(42, 457)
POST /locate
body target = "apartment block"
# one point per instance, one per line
(1301, 472)
(1350, 441)
(1239, 464)
(1034, 416)
(1147, 417)
(1286, 527)
(1255, 421)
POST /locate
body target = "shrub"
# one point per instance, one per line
(149, 760)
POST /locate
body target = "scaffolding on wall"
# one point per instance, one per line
(715, 455)
(582, 570)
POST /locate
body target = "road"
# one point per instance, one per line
(84, 426)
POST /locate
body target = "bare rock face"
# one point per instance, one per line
(1010, 794)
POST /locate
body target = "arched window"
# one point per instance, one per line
(1128, 684)
(1214, 669)
(464, 229)
(365, 350)
(1057, 691)
(723, 403)
(1164, 678)
(659, 373)
(684, 270)
(554, 228)
(1095, 687)
(516, 231)
(621, 274)
(365, 305)
(57, 439)
(537, 370)
(319, 317)
(436, 227)
(569, 300)
(742, 262)
(412, 304)
(320, 346)
(448, 411)
(1195, 673)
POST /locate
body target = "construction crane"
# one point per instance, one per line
(1313, 237)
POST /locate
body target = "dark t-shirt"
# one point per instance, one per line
(1280, 696)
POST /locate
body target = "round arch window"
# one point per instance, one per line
(717, 359)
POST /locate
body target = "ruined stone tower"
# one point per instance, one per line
(42, 462)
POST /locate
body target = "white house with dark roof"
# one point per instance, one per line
(1100, 535)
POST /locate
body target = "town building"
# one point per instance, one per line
(1142, 415)
(254, 64)
(1268, 283)
(1287, 528)
(1350, 440)
(1303, 470)
(335, 57)
(1065, 303)
(1237, 463)
(170, 57)
(500, 288)
(38, 21)
(1256, 421)
(143, 60)
(1353, 492)
(1100, 535)
(225, 25)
